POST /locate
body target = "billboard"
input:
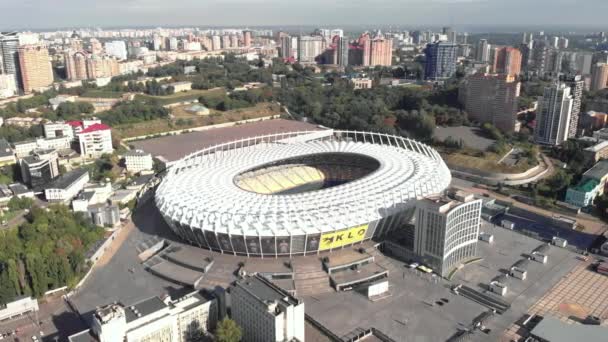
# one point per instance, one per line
(343, 237)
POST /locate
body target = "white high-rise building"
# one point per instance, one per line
(309, 47)
(138, 160)
(337, 32)
(8, 87)
(265, 312)
(482, 53)
(553, 115)
(447, 230)
(117, 48)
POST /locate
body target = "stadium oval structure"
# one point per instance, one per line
(298, 193)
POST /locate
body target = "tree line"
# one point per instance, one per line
(45, 252)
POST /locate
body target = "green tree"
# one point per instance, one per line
(228, 331)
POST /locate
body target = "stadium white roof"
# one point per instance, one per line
(200, 190)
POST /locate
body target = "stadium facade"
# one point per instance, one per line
(298, 193)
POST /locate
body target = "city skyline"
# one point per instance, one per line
(462, 14)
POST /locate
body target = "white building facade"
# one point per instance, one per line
(553, 115)
(265, 312)
(95, 140)
(138, 160)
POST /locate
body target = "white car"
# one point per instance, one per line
(413, 265)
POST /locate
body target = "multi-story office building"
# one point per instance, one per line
(381, 51)
(8, 87)
(247, 38)
(9, 58)
(95, 140)
(507, 60)
(58, 129)
(117, 48)
(285, 47)
(216, 42)
(540, 57)
(446, 230)
(138, 160)
(553, 115)
(492, 98)
(265, 312)
(343, 46)
(65, 187)
(76, 65)
(440, 60)
(309, 48)
(599, 76)
(35, 67)
(153, 319)
(576, 84)
(95, 46)
(365, 42)
(39, 168)
(81, 65)
(482, 52)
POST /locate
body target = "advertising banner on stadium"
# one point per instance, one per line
(343, 237)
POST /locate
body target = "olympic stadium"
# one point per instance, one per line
(298, 193)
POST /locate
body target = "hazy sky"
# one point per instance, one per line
(458, 13)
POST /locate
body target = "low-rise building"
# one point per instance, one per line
(590, 186)
(25, 148)
(596, 152)
(361, 83)
(153, 319)
(138, 160)
(23, 121)
(266, 312)
(178, 86)
(19, 306)
(66, 186)
(104, 215)
(58, 129)
(39, 168)
(601, 134)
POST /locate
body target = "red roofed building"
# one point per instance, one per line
(95, 139)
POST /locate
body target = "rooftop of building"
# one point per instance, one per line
(598, 147)
(67, 179)
(143, 179)
(74, 123)
(265, 291)
(85, 196)
(555, 330)
(144, 308)
(586, 185)
(83, 336)
(598, 171)
(95, 127)
(19, 189)
(5, 148)
(136, 153)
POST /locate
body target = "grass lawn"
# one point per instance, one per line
(216, 117)
(487, 161)
(190, 95)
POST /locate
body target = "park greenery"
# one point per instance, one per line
(133, 112)
(46, 252)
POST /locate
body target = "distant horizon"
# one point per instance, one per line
(499, 29)
(463, 15)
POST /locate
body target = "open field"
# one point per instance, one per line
(165, 125)
(486, 161)
(190, 95)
